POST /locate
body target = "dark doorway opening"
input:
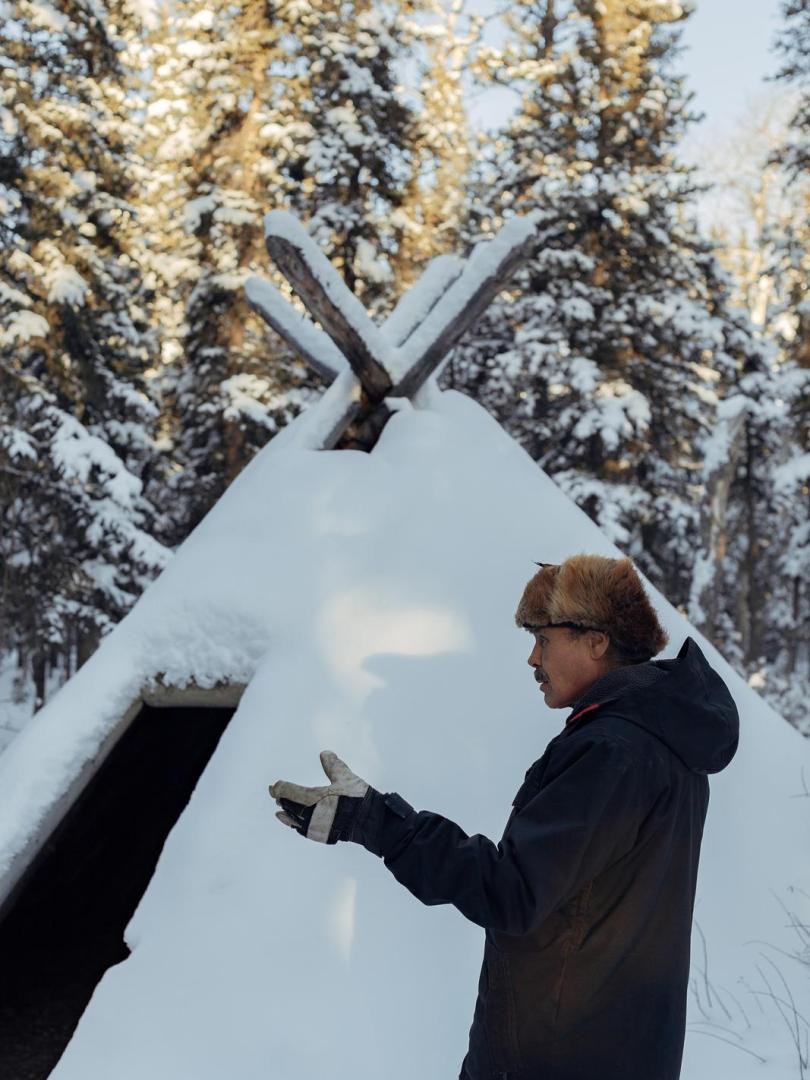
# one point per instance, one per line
(66, 925)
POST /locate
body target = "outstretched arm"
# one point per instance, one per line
(585, 817)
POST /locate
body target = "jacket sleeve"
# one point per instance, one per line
(586, 815)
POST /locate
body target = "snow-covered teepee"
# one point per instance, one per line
(361, 602)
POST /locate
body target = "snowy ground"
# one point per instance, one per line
(13, 714)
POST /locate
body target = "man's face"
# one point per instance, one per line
(566, 665)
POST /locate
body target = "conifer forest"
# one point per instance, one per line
(654, 360)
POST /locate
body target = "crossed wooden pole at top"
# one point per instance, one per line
(395, 359)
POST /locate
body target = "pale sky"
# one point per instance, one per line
(729, 52)
(727, 55)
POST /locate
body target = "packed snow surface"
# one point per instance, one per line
(368, 599)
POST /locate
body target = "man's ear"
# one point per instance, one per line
(599, 643)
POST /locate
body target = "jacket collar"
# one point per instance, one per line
(614, 684)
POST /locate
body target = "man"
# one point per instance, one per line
(587, 899)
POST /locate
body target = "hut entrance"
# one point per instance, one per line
(66, 925)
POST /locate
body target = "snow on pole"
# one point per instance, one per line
(315, 347)
(488, 268)
(322, 425)
(329, 299)
(417, 303)
(396, 361)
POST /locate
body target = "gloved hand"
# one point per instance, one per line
(326, 813)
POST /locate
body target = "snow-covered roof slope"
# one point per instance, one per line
(368, 600)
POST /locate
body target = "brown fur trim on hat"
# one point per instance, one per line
(595, 591)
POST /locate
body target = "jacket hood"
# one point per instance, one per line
(690, 709)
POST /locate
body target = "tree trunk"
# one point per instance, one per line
(724, 452)
(87, 642)
(39, 670)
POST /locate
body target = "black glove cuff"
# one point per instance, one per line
(355, 819)
(369, 822)
(361, 821)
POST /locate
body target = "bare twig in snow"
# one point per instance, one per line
(745, 1050)
(698, 1002)
(784, 952)
(789, 1007)
(805, 792)
(747, 986)
(736, 1001)
(705, 964)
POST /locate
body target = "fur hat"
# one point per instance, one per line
(599, 593)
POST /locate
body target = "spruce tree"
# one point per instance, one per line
(747, 588)
(349, 164)
(437, 199)
(789, 652)
(793, 48)
(609, 357)
(76, 412)
(209, 183)
(282, 107)
(793, 263)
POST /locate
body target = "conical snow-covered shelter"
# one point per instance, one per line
(361, 602)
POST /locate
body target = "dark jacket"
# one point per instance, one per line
(587, 899)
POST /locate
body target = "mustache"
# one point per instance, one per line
(539, 676)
